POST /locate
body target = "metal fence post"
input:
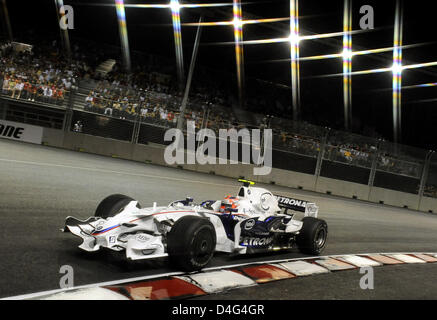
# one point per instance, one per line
(136, 129)
(190, 76)
(69, 110)
(373, 168)
(204, 124)
(424, 176)
(322, 150)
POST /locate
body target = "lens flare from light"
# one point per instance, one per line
(423, 85)
(294, 41)
(228, 23)
(397, 72)
(175, 6)
(397, 69)
(347, 62)
(238, 38)
(176, 18)
(287, 39)
(121, 15)
(180, 6)
(381, 70)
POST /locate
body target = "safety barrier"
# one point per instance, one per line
(327, 161)
(154, 154)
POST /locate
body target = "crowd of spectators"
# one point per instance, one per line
(112, 100)
(154, 98)
(158, 105)
(44, 75)
(36, 76)
(357, 151)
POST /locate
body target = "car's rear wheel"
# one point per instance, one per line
(313, 235)
(191, 243)
(112, 205)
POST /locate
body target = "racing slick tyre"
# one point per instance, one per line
(112, 205)
(312, 236)
(191, 243)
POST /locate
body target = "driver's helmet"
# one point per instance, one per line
(229, 204)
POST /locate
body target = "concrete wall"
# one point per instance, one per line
(428, 205)
(394, 198)
(342, 188)
(154, 154)
(53, 137)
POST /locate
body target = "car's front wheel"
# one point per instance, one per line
(191, 243)
(312, 237)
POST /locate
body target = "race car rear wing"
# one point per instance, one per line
(287, 203)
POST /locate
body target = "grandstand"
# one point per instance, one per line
(43, 78)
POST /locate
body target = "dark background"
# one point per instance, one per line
(150, 30)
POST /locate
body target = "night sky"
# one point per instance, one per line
(150, 30)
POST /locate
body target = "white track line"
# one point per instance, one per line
(284, 192)
(272, 189)
(115, 172)
(117, 282)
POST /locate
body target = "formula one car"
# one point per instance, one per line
(188, 233)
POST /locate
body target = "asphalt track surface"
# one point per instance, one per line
(40, 186)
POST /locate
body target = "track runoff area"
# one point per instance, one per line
(40, 186)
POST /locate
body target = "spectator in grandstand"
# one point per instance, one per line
(89, 101)
(12, 86)
(19, 86)
(163, 114)
(25, 90)
(60, 95)
(78, 126)
(48, 93)
(116, 108)
(143, 111)
(5, 88)
(39, 92)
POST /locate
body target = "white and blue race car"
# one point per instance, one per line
(253, 221)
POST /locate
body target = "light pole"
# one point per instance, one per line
(190, 77)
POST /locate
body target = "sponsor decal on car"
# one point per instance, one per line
(249, 211)
(256, 242)
(290, 203)
(265, 200)
(249, 224)
(142, 237)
